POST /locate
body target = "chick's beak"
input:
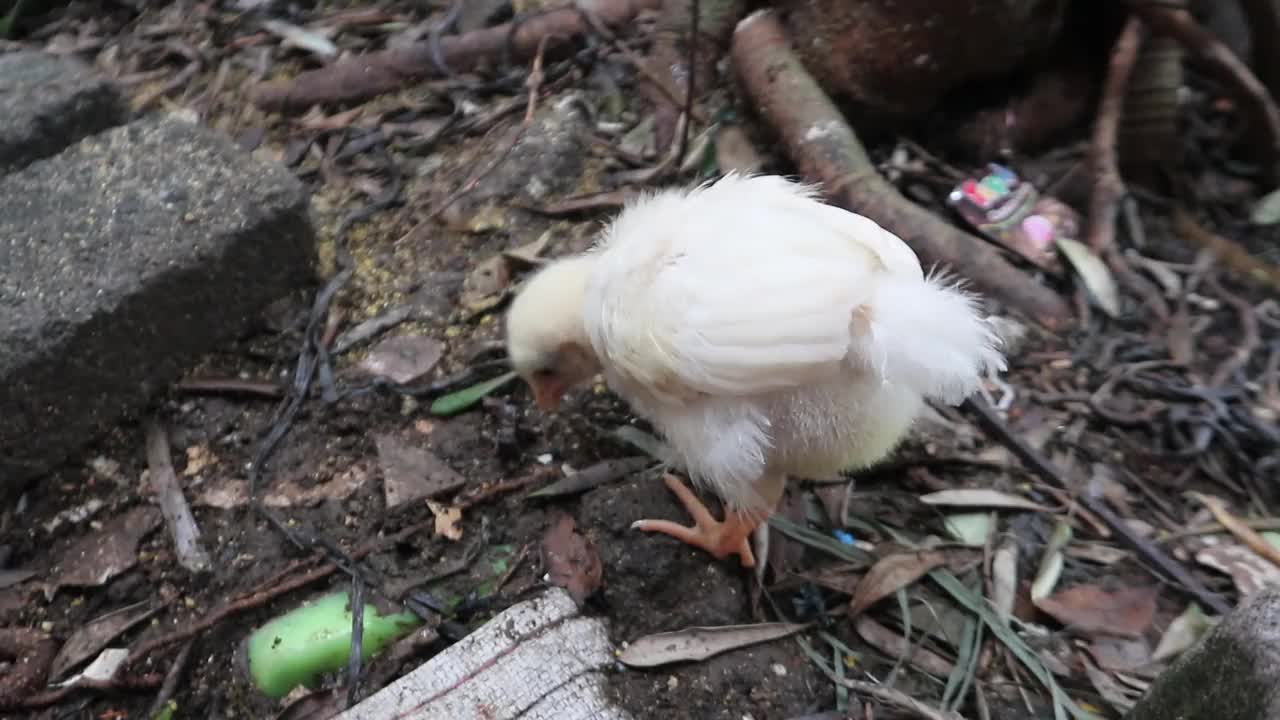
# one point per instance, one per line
(547, 393)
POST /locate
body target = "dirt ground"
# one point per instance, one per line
(477, 181)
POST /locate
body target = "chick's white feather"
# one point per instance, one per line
(767, 334)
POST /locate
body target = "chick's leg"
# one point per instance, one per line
(720, 538)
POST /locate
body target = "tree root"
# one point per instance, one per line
(1254, 99)
(825, 148)
(365, 76)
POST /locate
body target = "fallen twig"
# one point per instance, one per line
(825, 148)
(232, 386)
(173, 504)
(365, 76)
(1108, 188)
(170, 685)
(1177, 22)
(1242, 532)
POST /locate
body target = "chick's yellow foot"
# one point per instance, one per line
(720, 538)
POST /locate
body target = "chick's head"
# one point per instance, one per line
(546, 341)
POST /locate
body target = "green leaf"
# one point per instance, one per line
(456, 402)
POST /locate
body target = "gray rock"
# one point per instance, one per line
(49, 102)
(547, 160)
(121, 259)
(1232, 674)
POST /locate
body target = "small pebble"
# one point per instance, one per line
(673, 682)
(46, 626)
(779, 669)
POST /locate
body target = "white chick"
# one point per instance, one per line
(764, 333)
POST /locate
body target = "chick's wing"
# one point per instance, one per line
(734, 294)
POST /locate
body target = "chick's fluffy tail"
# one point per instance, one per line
(928, 336)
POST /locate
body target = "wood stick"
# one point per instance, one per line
(365, 76)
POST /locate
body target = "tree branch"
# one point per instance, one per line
(825, 148)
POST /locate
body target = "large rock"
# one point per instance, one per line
(121, 259)
(537, 660)
(1232, 674)
(48, 102)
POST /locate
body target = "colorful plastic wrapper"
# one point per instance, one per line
(1012, 212)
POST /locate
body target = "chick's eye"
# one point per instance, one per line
(544, 373)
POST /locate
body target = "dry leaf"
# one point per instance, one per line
(571, 560)
(88, 640)
(1182, 633)
(448, 520)
(199, 457)
(1238, 528)
(981, 497)
(1004, 577)
(1110, 690)
(699, 643)
(102, 669)
(486, 285)
(530, 254)
(403, 359)
(1115, 654)
(228, 493)
(1248, 570)
(892, 644)
(1094, 273)
(410, 473)
(890, 574)
(98, 557)
(970, 528)
(1051, 563)
(302, 38)
(1266, 211)
(1090, 610)
(9, 578)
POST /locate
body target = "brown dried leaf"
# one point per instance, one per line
(571, 559)
(1248, 570)
(1090, 610)
(199, 457)
(892, 644)
(448, 520)
(981, 497)
(228, 493)
(88, 640)
(890, 574)
(98, 557)
(410, 473)
(1184, 632)
(1110, 690)
(404, 358)
(699, 643)
(530, 254)
(486, 285)
(1115, 654)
